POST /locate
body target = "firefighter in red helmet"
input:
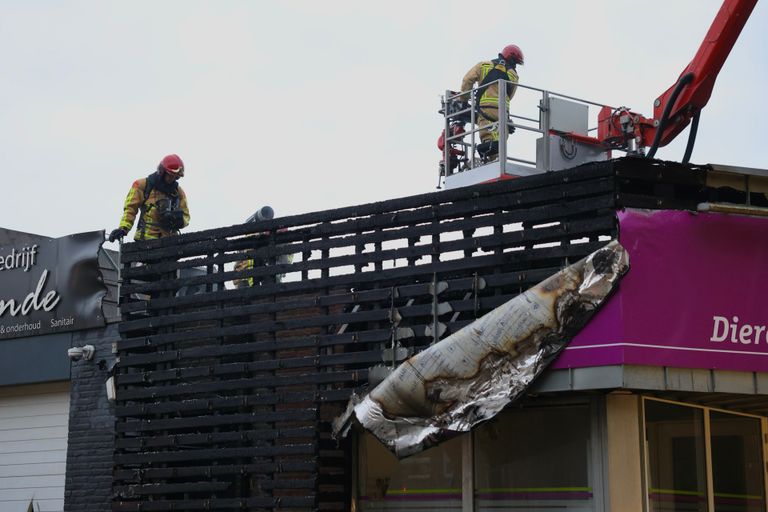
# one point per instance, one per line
(160, 202)
(486, 74)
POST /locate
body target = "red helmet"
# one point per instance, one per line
(512, 52)
(172, 164)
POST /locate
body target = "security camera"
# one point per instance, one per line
(85, 352)
(75, 353)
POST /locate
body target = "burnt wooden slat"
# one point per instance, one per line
(235, 388)
(397, 275)
(527, 206)
(181, 440)
(236, 369)
(158, 341)
(215, 349)
(218, 404)
(154, 489)
(223, 404)
(540, 214)
(153, 392)
(362, 316)
(653, 202)
(217, 453)
(272, 503)
(176, 472)
(216, 420)
(641, 169)
(479, 192)
(254, 309)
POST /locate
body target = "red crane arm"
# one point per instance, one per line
(683, 100)
(704, 67)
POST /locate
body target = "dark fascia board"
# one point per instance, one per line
(35, 359)
(652, 378)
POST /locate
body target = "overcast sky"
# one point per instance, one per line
(311, 105)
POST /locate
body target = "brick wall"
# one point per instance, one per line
(91, 426)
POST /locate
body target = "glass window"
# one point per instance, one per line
(534, 458)
(676, 457)
(430, 480)
(737, 463)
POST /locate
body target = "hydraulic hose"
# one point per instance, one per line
(684, 80)
(691, 137)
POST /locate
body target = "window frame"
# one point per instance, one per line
(596, 460)
(706, 410)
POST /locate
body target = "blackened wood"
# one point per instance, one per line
(545, 213)
(153, 392)
(396, 275)
(272, 503)
(183, 440)
(237, 387)
(151, 473)
(217, 453)
(479, 192)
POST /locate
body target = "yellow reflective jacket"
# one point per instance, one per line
(149, 226)
(250, 264)
(490, 97)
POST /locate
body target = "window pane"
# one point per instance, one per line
(737, 463)
(676, 457)
(430, 480)
(534, 458)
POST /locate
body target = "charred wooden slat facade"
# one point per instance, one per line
(225, 395)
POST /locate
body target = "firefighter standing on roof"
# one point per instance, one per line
(265, 213)
(160, 202)
(486, 74)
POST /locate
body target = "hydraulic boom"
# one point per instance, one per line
(683, 101)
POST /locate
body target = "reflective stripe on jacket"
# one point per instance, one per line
(136, 202)
(239, 267)
(490, 96)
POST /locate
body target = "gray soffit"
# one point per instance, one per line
(743, 391)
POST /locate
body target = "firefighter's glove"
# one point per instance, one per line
(116, 234)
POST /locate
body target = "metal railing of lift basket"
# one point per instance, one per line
(453, 98)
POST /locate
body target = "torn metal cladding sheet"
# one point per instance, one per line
(470, 376)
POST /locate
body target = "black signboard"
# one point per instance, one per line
(51, 285)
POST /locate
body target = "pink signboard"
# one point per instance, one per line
(694, 297)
